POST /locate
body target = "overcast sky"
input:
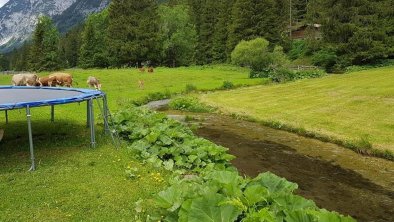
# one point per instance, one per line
(2, 2)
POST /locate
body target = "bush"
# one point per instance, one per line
(260, 74)
(223, 195)
(228, 85)
(153, 97)
(285, 75)
(189, 104)
(325, 58)
(282, 75)
(257, 55)
(297, 50)
(166, 143)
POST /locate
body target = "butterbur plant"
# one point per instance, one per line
(164, 142)
(206, 187)
(225, 196)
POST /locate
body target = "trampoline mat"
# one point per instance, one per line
(19, 97)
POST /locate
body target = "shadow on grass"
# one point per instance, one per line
(52, 142)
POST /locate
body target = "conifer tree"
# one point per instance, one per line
(70, 45)
(257, 18)
(94, 52)
(133, 32)
(357, 30)
(178, 35)
(208, 22)
(219, 47)
(44, 53)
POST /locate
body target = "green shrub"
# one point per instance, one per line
(190, 88)
(153, 97)
(223, 195)
(325, 58)
(228, 85)
(164, 142)
(297, 50)
(282, 75)
(260, 74)
(285, 75)
(258, 56)
(189, 104)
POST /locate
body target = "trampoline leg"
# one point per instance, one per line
(105, 106)
(92, 132)
(33, 166)
(52, 113)
(6, 116)
(87, 114)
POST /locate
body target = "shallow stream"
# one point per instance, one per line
(334, 177)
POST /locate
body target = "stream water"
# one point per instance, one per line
(334, 177)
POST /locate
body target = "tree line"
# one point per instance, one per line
(184, 32)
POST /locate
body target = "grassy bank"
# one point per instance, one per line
(354, 110)
(74, 182)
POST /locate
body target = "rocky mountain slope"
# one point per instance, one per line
(19, 17)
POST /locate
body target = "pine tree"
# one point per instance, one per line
(70, 45)
(44, 53)
(133, 32)
(208, 22)
(356, 30)
(219, 47)
(257, 18)
(178, 34)
(94, 51)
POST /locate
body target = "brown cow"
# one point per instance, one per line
(62, 79)
(142, 69)
(47, 81)
(150, 69)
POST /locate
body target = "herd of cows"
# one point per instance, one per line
(52, 80)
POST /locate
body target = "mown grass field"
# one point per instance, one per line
(74, 182)
(356, 108)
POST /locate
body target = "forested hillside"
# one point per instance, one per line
(185, 32)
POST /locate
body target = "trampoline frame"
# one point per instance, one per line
(94, 95)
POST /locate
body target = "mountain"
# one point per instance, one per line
(19, 17)
(77, 12)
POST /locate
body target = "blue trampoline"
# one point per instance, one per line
(20, 97)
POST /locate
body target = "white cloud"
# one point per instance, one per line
(2, 2)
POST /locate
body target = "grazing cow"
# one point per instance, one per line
(24, 79)
(150, 69)
(142, 69)
(141, 84)
(62, 79)
(94, 82)
(47, 81)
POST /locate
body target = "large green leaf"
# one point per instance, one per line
(326, 216)
(170, 199)
(275, 184)
(229, 181)
(254, 194)
(208, 208)
(289, 202)
(299, 216)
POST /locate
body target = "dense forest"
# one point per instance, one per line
(337, 34)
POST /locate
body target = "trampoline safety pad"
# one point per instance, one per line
(21, 97)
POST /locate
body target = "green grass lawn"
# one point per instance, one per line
(74, 182)
(356, 108)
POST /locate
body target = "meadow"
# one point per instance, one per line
(354, 109)
(74, 182)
